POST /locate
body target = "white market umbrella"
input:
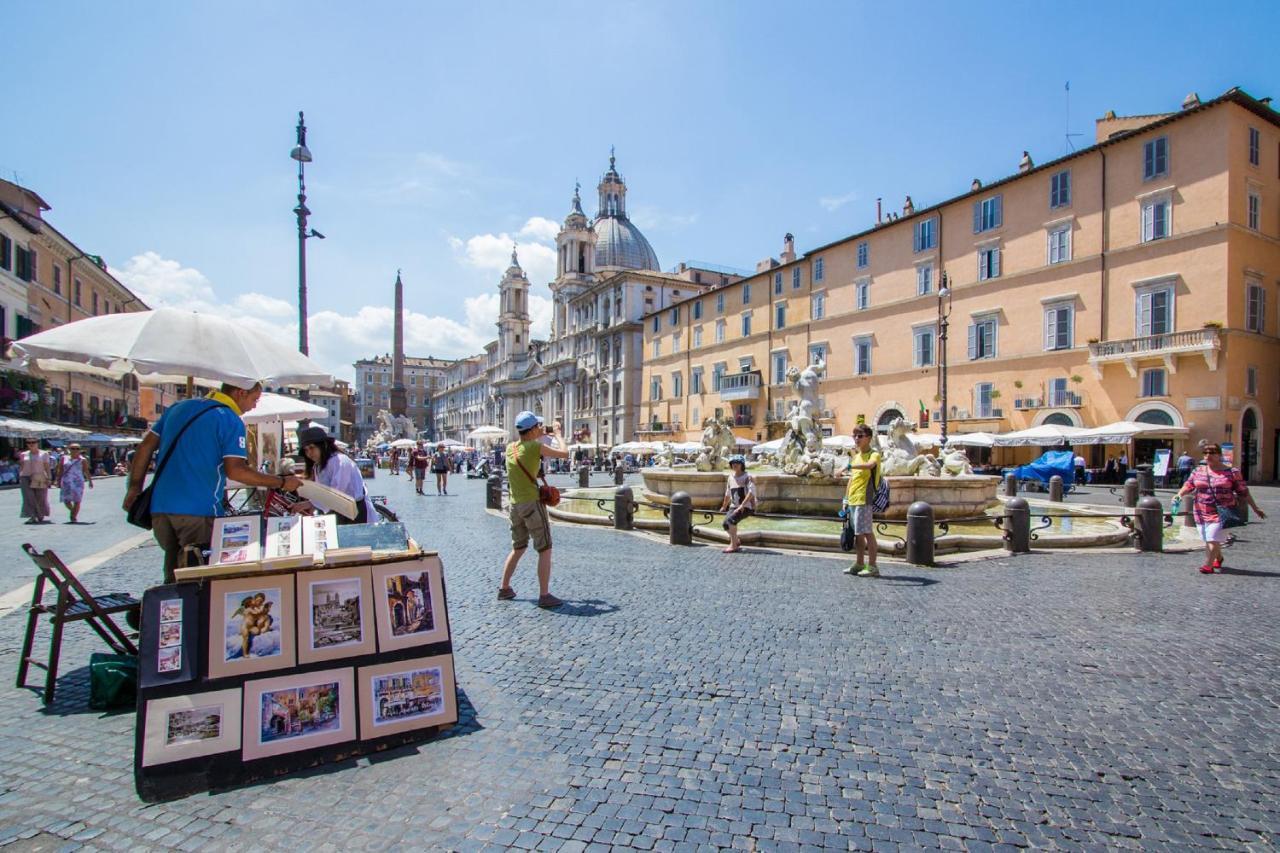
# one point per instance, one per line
(971, 439)
(23, 428)
(1045, 435)
(172, 343)
(404, 443)
(281, 407)
(487, 433)
(744, 442)
(839, 442)
(449, 442)
(686, 447)
(769, 446)
(1122, 432)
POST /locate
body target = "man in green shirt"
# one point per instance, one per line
(528, 515)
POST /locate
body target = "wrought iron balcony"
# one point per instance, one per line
(1051, 400)
(741, 386)
(1167, 347)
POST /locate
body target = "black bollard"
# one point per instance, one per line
(1149, 524)
(618, 475)
(681, 519)
(584, 476)
(1146, 481)
(1131, 492)
(1017, 525)
(624, 508)
(920, 534)
(1010, 485)
(493, 492)
(1055, 488)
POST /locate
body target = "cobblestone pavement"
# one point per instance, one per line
(686, 699)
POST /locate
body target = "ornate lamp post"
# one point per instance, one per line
(944, 313)
(302, 154)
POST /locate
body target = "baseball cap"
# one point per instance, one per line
(526, 421)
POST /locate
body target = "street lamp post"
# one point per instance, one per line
(944, 313)
(302, 154)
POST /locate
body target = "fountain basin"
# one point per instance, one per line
(950, 497)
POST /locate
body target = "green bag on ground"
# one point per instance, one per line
(113, 681)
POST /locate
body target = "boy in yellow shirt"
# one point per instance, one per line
(864, 477)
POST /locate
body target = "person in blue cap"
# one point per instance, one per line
(528, 515)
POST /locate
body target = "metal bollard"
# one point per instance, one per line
(1010, 485)
(624, 508)
(920, 534)
(1017, 526)
(493, 492)
(1149, 524)
(1146, 481)
(1131, 492)
(584, 476)
(1055, 488)
(618, 475)
(681, 519)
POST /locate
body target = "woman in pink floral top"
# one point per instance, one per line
(1216, 485)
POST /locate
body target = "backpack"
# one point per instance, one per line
(879, 498)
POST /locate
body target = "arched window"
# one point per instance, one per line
(1155, 416)
(1058, 419)
(882, 425)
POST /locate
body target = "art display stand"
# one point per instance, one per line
(245, 676)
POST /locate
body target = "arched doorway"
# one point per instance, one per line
(1144, 449)
(887, 417)
(1248, 458)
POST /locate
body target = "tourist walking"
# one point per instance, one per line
(418, 464)
(528, 515)
(1218, 489)
(73, 473)
(440, 467)
(1185, 464)
(864, 479)
(739, 500)
(34, 477)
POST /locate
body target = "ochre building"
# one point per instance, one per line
(1135, 279)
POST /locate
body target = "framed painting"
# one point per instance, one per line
(251, 625)
(407, 695)
(296, 712)
(409, 603)
(169, 636)
(335, 614)
(176, 728)
(236, 539)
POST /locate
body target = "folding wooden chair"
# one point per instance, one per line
(74, 604)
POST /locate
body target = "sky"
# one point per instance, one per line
(442, 133)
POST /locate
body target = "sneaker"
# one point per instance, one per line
(506, 593)
(1206, 569)
(548, 601)
(869, 572)
(854, 569)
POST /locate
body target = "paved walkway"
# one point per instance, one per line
(686, 699)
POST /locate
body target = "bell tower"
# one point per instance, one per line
(513, 311)
(575, 262)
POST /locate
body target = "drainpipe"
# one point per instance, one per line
(1102, 310)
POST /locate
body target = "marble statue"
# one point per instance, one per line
(898, 454)
(956, 463)
(392, 427)
(718, 444)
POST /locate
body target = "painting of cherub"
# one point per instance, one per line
(252, 629)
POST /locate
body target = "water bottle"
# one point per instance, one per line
(1176, 507)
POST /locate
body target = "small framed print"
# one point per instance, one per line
(406, 695)
(409, 603)
(251, 625)
(176, 728)
(169, 636)
(335, 614)
(297, 712)
(319, 533)
(236, 539)
(284, 537)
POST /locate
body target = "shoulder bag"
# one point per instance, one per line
(547, 494)
(139, 513)
(1229, 516)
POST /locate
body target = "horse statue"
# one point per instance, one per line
(898, 454)
(718, 444)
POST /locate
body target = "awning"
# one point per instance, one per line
(22, 428)
(1122, 432)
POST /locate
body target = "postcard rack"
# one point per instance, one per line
(246, 677)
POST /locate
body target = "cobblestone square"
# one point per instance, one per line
(688, 699)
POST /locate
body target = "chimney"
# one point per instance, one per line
(1191, 100)
(1026, 164)
(908, 207)
(976, 185)
(788, 249)
(879, 216)
(1266, 102)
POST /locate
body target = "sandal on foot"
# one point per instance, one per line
(506, 593)
(732, 550)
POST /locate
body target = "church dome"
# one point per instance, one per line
(619, 243)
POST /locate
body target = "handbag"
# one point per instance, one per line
(1228, 516)
(847, 537)
(547, 494)
(139, 512)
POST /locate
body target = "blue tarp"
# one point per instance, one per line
(1060, 462)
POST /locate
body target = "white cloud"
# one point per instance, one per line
(835, 202)
(540, 228)
(160, 282)
(492, 252)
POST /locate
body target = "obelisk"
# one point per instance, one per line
(398, 401)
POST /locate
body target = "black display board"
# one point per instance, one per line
(196, 733)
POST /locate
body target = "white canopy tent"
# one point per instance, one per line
(971, 439)
(1122, 432)
(281, 407)
(1045, 435)
(23, 428)
(635, 448)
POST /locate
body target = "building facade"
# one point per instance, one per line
(1135, 279)
(423, 377)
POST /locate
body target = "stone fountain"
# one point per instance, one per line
(803, 478)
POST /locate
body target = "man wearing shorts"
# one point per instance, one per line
(527, 514)
(864, 475)
(418, 462)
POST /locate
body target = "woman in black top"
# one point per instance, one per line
(440, 467)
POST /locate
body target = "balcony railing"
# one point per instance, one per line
(1052, 400)
(1167, 346)
(741, 386)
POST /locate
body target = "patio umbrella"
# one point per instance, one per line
(487, 433)
(744, 442)
(403, 443)
(449, 442)
(95, 438)
(172, 343)
(282, 407)
(971, 439)
(23, 428)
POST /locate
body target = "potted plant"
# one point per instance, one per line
(1212, 324)
(1077, 378)
(1017, 383)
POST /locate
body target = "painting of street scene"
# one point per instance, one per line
(297, 712)
(252, 626)
(401, 696)
(335, 613)
(192, 725)
(409, 604)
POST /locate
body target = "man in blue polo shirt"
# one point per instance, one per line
(189, 493)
